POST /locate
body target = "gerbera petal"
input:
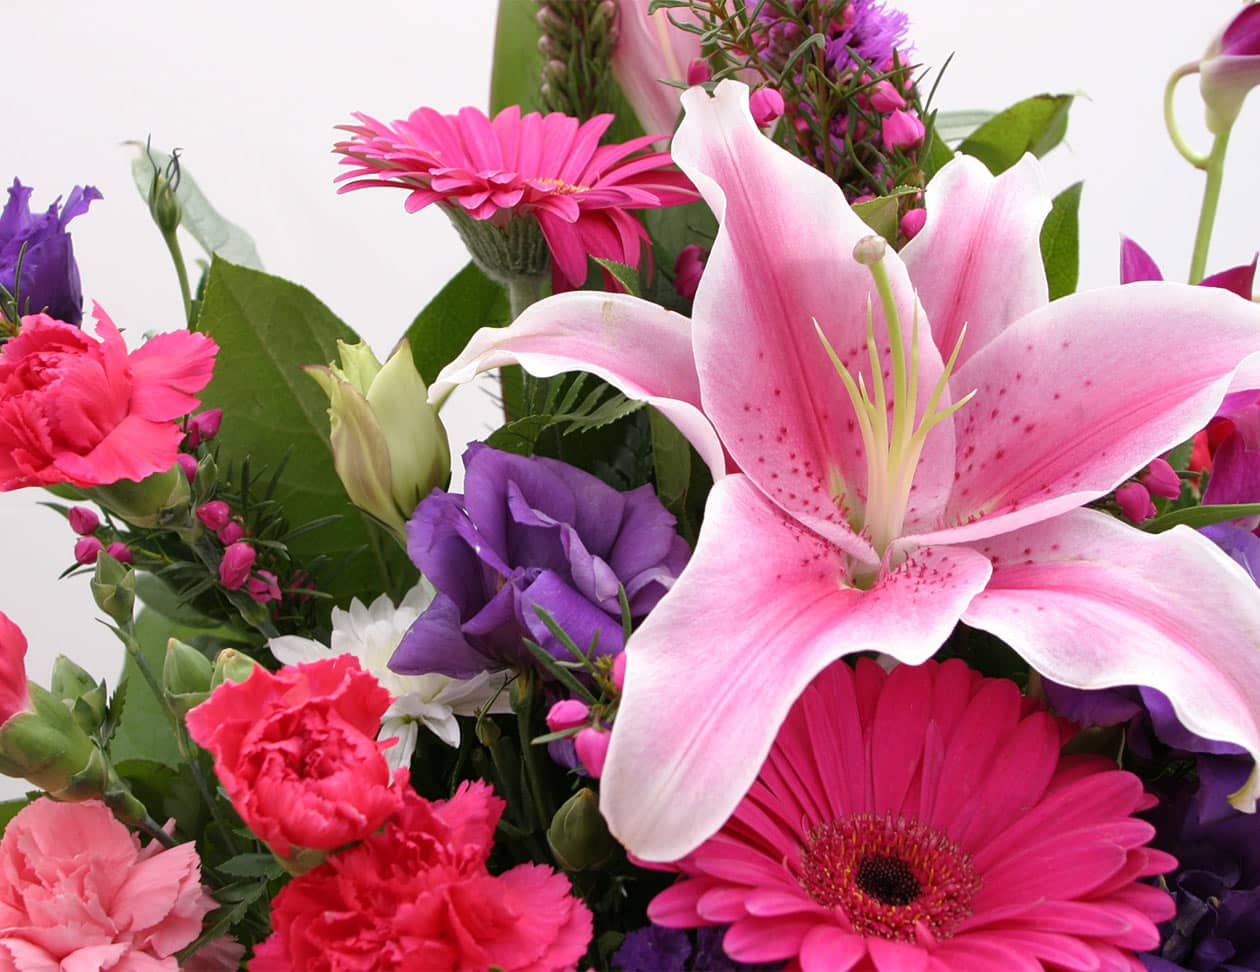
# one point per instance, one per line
(783, 260)
(1092, 603)
(977, 260)
(1076, 397)
(830, 949)
(641, 349)
(693, 729)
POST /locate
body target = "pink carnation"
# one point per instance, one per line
(78, 892)
(13, 694)
(924, 819)
(296, 752)
(418, 896)
(548, 167)
(85, 412)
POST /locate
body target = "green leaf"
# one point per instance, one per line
(267, 330)
(158, 597)
(671, 461)
(252, 866)
(954, 126)
(881, 214)
(519, 437)
(1033, 125)
(1060, 242)
(216, 235)
(9, 809)
(936, 154)
(469, 300)
(1201, 516)
(144, 729)
(514, 79)
(625, 275)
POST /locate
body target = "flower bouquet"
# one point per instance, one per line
(838, 589)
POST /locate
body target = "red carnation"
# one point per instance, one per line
(418, 896)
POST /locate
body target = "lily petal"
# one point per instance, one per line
(1078, 396)
(1093, 603)
(783, 260)
(977, 260)
(642, 350)
(762, 607)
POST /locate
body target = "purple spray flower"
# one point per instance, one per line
(529, 532)
(50, 277)
(660, 949)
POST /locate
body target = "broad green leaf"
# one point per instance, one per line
(1034, 125)
(671, 461)
(469, 300)
(9, 809)
(881, 214)
(158, 597)
(267, 330)
(216, 235)
(625, 275)
(514, 79)
(954, 126)
(1060, 242)
(167, 791)
(1201, 516)
(520, 436)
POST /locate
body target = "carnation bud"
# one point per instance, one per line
(85, 696)
(389, 448)
(47, 746)
(1161, 479)
(1135, 502)
(592, 749)
(163, 204)
(902, 130)
(114, 588)
(568, 714)
(214, 515)
(186, 676)
(698, 72)
(238, 561)
(578, 836)
(231, 666)
(766, 105)
(87, 549)
(83, 521)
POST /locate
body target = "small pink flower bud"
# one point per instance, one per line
(902, 130)
(688, 267)
(1161, 479)
(264, 587)
(231, 533)
(767, 105)
(188, 464)
(885, 98)
(214, 515)
(1135, 502)
(592, 749)
(568, 714)
(120, 552)
(87, 549)
(865, 197)
(619, 671)
(234, 569)
(698, 71)
(204, 427)
(83, 521)
(912, 222)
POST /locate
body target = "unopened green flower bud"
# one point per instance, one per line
(86, 697)
(47, 746)
(231, 666)
(163, 202)
(578, 836)
(488, 733)
(389, 448)
(157, 501)
(186, 676)
(114, 588)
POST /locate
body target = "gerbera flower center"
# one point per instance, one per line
(889, 875)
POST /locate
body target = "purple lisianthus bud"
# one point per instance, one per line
(529, 533)
(83, 521)
(49, 278)
(234, 569)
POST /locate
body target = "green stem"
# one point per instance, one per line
(523, 291)
(154, 830)
(1207, 212)
(177, 257)
(1170, 120)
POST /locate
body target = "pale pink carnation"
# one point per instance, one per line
(548, 167)
(77, 892)
(925, 820)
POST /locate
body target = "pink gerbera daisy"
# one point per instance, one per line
(548, 167)
(924, 821)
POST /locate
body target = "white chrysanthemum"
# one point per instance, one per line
(371, 634)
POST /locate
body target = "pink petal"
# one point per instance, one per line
(977, 260)
(1136, 264)
(710, 676)
(167, 371)
(134, 449)
(641, 349)
(827, 948)
(649, 52)
(1092, 603)
(1076, 397)
(782, 260)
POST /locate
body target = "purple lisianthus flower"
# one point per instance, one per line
(530, 532)
(660, 949)
(50, 277)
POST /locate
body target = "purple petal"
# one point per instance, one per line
(434, 643)
(1235, 473)
(1136, 264)
(1239, 280)
(577, 617)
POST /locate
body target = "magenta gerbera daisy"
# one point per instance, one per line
(550, 168)
(924, 821)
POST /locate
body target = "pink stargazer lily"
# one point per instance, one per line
(872, 510)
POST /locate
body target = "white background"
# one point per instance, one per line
(251, 92)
